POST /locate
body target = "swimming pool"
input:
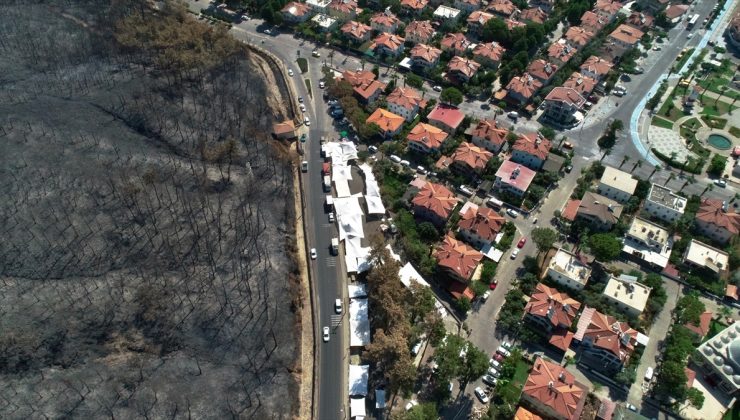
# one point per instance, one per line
(719, 141)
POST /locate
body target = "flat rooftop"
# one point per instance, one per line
(648, 232)
(570, 265)
(703, 255)
(667, 198)
(633, 294)
(620, 180)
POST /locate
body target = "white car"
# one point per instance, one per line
(502, 351)
(306, 121)
(689, 36)
(290, 72)
(395, 158)
(313, 253)
(437, 88)
(720, 183)
(489, 380)
(331, 217)
(405, 163)
(513, 115)
(302, 107)
(507, 345)
(514, 253)
(493, 372)
(300, 99)
(486, 296)
(494, 364)
(481, 395)
(513, 213)
(338, 306)
(326, 334)
(304, 166)
(372, 149)
(322, 85)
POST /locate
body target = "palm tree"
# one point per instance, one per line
(689, 180)
(721, 92)
(624, 160)
(709, 187)
(607, 151)
(638, 164)
(655, 169)
(670, 177)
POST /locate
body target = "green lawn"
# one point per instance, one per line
(735, 131)
(715, 84)
(660, 122)
(521, 373)
(684, 58)
(717, 109)
(733, 413)
(692, 123)
(714, 122)
(303, 64)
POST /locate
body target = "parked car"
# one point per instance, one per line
(395, 158)
(411, 404)
(498, 357)
(501, 350)
(489, 380)
(306, 121)
(437, 88)
(485, 296)
(493, 284)
(416, 348)
(331, 217)
(300, 99)
(420, 169)
(494, 364)
(405, 163)
(640, 70)
(372, 149)
(315, 53)
(313, 253)
(302, 107)
(567, 145)
(514, 253)
(521, 242)
(338, 306)
(513, 115)
(290, 72)
(513, 213)
(467, 191)
(326, 334)
(481, 395)
(322, 85)
(493, 372)
(304, 166)
(720, 183)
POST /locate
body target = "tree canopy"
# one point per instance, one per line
(451, 96)
(544, 238)
(689, 308)
(604, 246)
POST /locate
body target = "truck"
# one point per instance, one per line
(327, 183)
(335, 246)
(329, 203)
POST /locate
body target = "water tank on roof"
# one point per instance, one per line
(719, 361)
(727, 369)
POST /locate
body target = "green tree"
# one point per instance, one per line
(548, 132)
(695, 398)
(689, 308)
(495, 30)
(423, 411)
(717, 165)
(451, 96)
(463, 304)
(414, 80)
(488, 272)
(544, 238)
(427, 232)
(604, 246)
(476, 364)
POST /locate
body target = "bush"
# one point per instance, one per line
(717, 165)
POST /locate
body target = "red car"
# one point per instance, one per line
(492, 286)
(521, 242)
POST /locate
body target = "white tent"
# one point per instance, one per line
(359, 324)
(372, 192)
(358, 379)
(492, 253)
(357, 408)
(340, 153)
(408, 274)
(393, 254)
(342, 187)
(357, 290)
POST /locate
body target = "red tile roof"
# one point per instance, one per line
(525, 85)
(448, 115)
(473, 156)
(640, 20)
(502, 7)
(464, 66)
(703, 328)
(553, 386)
(425, 52)
(283, 127)
(571, 209)
(490, 50)
(578, 36)
(420, 28)
(731, 291)
(561, 339)
(597, 65)
(710, 211)
(459, 290)
(606, 409)
(356, 30)
(455, 41)
(414, 4)
(534, 144)
(428, 135)
(566, 95)
(443, 162)
(386, 120)
(511, 24)
(690, 377)
(368, 90)
(479, 18)
(592, 22)
(483, 221)
(406, 97)
(490, 131)
(457, 257)
(542, 70)
(607, 333)
(608, 7)
(296, 9)
(357, 78)
(561, 50)
(627, 34)
(385, 18)
(580, 83)
(389, 41)
(343, 6)
(533, 14)
(437, 199)
(524, 414)
(547, 302)
(516, 175)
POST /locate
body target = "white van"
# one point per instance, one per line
(495, 203)
(395, 158)
(649, 374)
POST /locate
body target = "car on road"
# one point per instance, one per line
(502, 351)
(437, 88)
(338, 306)
(720, 183)
(481, 395)
(485, 296)
(326, 334)
(631, 407)
(290, 72)
(300, 99)
(313, 253)
(494, 364)
(331, 217)
(568, 168)
(521, 242)
(690, 35)
(267, 31)
(513, 213)
(322, 85)
(306, 121)
(567, 145)
(657, 48)
(395, 159)
(489, 380)
(640, 70)
(302, 107)
(372, 149)
(493, 284)
(625, 77)
(514, 253)
(304, 166)
(507, 345)
(493, 372)
(315, 53)
(513, 115)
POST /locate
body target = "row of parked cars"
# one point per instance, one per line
(494, 370)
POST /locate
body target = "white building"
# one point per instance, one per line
(664, 204)
(325, 22)
(719, 359)
(649, 242)
(627, 294)
(445, 12)
(318, 6)
(699, 254)
(567, 269)
(617, 185)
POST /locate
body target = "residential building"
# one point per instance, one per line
(462, 69)
(446, 117)
(479, 225)
(715, 220)
(617, 185)
(503, 8)
(434, 202)
(627, 295)
(467, 6)
(596, 67)
(358, 78)
(702, 328)
(414, 7)
(640, 21)
(719, 359)
(542, 70)
(648, 242)
(369, 92)
(476, 21)
(385, 21)
(552, 391)
(567, 269)
(295, 12)
(343, 10)
(578, 36)
(524, 414)
(592, 22)
(390, 124)
(599, 212)
(701, 255)
(456, 43)
(674, 12)
(425, 138)
(444, 12)
(324, 23)
(469, 159)
(553, 163)
(513, 178)
(563, 106)
(488, 135)
(606, 343)
(424, 56)
(489, 54)
(319, 6)
(356, 32)
(406, 102)
(664, 204)
(522, 88)
(387, 44)
(584, 85)
(623, 39)
(531, 150)
(607, 9)
(419, 32)
(534, 15)
(460, 290)
(560, 52)
(457, 259)
(652, 6)
(284, 130)
(546, 5)
(511, 24)
(550, 310)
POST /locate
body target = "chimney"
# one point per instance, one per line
(550, 385)
(561, 377)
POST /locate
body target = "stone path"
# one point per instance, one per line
(667, 141)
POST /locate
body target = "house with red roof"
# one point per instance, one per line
(623, 39)
(406, 102)
(542, 70)
(479, 225)
(552, 313)
(552, 391)
(344, 10)
(524, 414)
(606, 343)
(456, 43)
(434, 202)
(531, 150)
(419, 32)
(356, 32)
(640, 20)
(462, 69)
(702, 328)
(488, 135)
(562, 106)
(511, 24)
(489, 54)
(424, 56)
(560, 52)
(446, 117)
(578, 36)
(385, 21)
(476, 21)
(460, 290)
(607, 9)
(584, 85)
(457, 259)
(592, 22)
(716, 220)
(522, 88)
(513, 178)
(469, 159)
(390, 124)
(596, 67)
(296, 12)
(534, 15)
(425, 138)
(466, 6)
(503, 8)
(414, 7)
(387, 44)
(364, 85)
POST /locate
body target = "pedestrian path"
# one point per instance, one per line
(667, 142)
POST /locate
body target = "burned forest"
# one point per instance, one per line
(148, 261)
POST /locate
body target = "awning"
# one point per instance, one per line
(358, 379)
